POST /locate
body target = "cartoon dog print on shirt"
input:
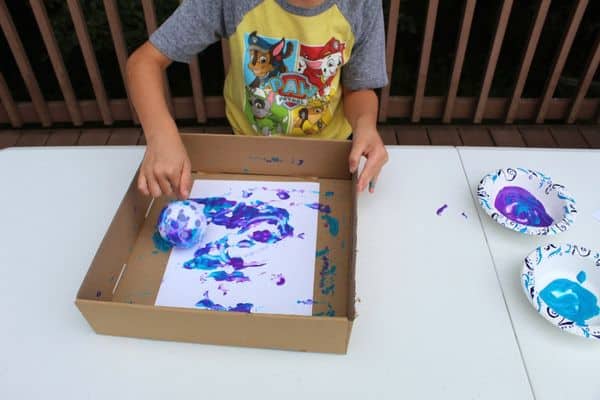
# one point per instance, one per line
(320, 64)
(266, 60)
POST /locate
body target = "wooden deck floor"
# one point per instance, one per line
(559, 136)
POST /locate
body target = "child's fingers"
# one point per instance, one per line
(367, 175)
(153, 186)
(354, 158)
(165, 185)
(372, 184)
(143, 185)
(185, 183)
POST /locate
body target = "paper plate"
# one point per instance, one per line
(526, 201)
(562, 282)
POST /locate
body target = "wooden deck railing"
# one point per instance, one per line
(445, 109)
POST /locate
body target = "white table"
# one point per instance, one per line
(560, 366)
(432, 321)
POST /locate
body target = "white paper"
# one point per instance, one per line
(596, 215)
(286, 275)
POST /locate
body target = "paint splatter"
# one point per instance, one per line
(327, 273)
(328, 195)
(308, 302)
(301, 235)
(571, 300)
(247, 193)
(329, 313)
(207, 304)
(332, 223)
(518, 205)
(464, 215)
(283, 194)
(279, 279)
(440, 210)
(223, 289)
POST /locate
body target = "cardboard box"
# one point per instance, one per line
(119, 290)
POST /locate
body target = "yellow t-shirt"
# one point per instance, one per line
(286, 62)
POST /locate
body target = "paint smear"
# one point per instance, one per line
(328, 195)
(571, 300)
(324, 208)
(160, 244)
(440, 210)
(207, 304)
(332, 223)
(518, 205)
(464, 215)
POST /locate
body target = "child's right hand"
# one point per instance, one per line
(166, 168)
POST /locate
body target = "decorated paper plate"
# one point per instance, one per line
(526, 201)
(562, 282)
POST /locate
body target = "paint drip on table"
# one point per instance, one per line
(243, 262)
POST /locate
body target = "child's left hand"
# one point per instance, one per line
(368, 143)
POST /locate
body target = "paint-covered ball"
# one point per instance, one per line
(182, 223)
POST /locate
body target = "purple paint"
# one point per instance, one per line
(207, 304)
(223, 289)
(283, 194)
(301, 235)
(518, 205)
(324, 208)
(440, 210)
(464, 215)
(243, 218)
(279, 278)
(247, 193)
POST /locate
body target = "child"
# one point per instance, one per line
(298, 68)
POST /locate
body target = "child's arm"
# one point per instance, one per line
(360, 108)
(166, 167)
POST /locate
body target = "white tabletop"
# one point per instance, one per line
(432, 321)
(560, 366)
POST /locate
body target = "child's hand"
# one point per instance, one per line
(166, 168)
(368, 143)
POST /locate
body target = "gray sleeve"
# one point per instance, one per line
(193, 26)
(366, 67)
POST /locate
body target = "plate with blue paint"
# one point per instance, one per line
(562, 282)
(526, 201)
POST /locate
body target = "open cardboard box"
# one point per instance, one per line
(119, 290)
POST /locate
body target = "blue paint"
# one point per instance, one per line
(243, 218)
(160, 244)
(570, 300)
(518, 205)
(332, 223)
(321, 253)
(208, 304)
(328, 195)
(222, 276)
(581, 277)
(307, 302)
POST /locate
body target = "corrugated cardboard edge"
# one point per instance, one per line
(314, 334)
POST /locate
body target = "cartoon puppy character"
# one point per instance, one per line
(266, 60)
(320, 64)
(267, 116)
(312, 118)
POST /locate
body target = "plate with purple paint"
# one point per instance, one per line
(526, 201)
(562, 282)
